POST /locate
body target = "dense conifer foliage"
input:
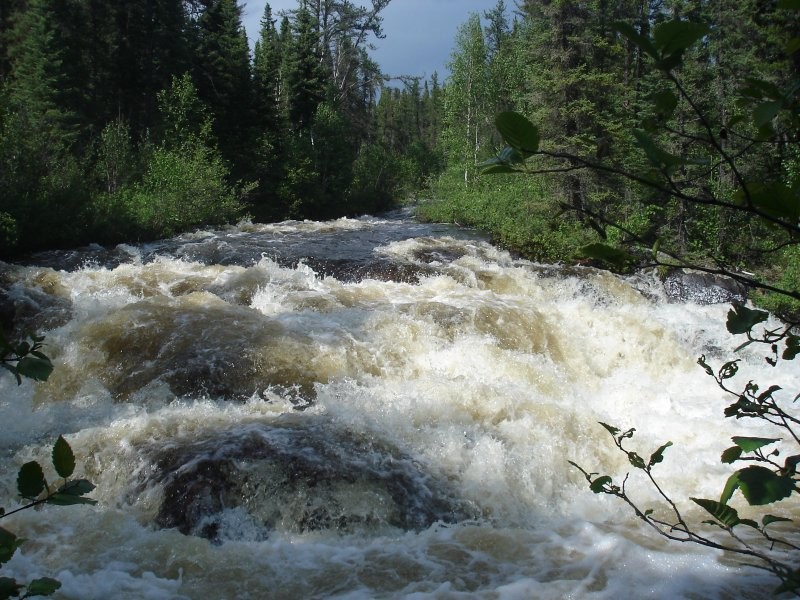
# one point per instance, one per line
(594, 97)
(307, 126)
(125, 121)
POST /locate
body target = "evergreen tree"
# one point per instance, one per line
(270, 125)
(40, 182)
(577, 84)
(306, 83)
(35, 61)
(267, 58)
(116, 57)
(223, 80)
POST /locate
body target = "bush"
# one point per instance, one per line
(179, 191)
(518, 213)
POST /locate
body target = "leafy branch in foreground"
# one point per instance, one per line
(24, 359)
(764, 197)
(766, 480)
(686, 151)
(32, 486)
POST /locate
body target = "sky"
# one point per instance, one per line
(419, 33)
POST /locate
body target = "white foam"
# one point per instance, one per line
(491, 375)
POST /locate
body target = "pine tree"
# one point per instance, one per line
(270, 124)
(223, 80)
(306, 83)
(575, 83)
(41, 190)
(35, 61)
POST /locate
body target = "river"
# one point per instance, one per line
(362, 408)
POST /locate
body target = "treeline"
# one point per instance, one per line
(592, 92)
(140, 119)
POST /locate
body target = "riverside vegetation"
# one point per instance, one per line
(138, 120)
(680, 159)
(657, 131)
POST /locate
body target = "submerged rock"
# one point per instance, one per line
(293, 477)
(703, 288)
(349, 271)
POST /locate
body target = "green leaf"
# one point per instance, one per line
(789, 4)
(636, 460)
(743, 407)
(77, 487)
(35, 368)
(607, 254)
(656, 248)
(731, 455)
(597, 485)
(765, 112)
(763, 396)
(44, 586)
(790, 464)
(702, 362)
(658, 456)
(60, 499)
(8, 545)
(518, 132)
(665, 102)
(758, 89)
(751, 444)
(749, 523)
(509, 155)
(9, 588)
(63, 458)
(742, 319)
(497, 169)
(611, 429)
(30, 480)
(792, 46)
(729, 369)
(675, 36)
(776, 199)
(636, 38)
(759, 486)
(13, 371)
(792, 347)
(72, 492)
(720, 511)
(658, 157)
(769, 519)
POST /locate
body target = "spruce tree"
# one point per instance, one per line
(270, 125)
(223, 80)
(41, 190)
(306, 83)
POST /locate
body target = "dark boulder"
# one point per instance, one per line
(703, 288)
(294, 477)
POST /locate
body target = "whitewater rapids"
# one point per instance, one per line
(363, 408)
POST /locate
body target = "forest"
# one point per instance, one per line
(639, 132)
(140, 120)
(722, 116)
